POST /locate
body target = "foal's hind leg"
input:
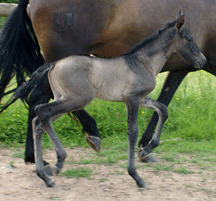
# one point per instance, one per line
(46, 113)
(145, 152)
(41, 94)
(38, 131)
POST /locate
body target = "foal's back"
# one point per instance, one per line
(106, 79)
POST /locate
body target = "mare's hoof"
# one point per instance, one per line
(51, 185)
(94, 142)
(146, 157)
(48, 170)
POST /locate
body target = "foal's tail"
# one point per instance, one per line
(25, 89)
(19, 49)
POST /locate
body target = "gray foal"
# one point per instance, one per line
(129, 78)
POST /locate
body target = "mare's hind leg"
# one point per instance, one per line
(89, 125)
(132, 116)
(145, 152)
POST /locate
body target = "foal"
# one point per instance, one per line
(77, 80)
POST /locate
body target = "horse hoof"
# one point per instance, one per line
(144, 185)
(48, 170)
(94, 142)
(51, 185)
(146, 157)
(141, 184)
(28, 163)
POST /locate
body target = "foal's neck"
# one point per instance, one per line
(156, 52)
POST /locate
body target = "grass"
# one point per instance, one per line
(9, 1)
(183, 170)
(2, 20)
(78, 172)
(12, 164)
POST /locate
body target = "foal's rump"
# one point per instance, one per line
(69, 79)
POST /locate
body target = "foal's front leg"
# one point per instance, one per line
(132, 117)
(173, 80)
(161, 109)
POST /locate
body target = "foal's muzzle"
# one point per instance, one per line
(201, 62)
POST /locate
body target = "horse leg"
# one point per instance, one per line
(46, 113)
(145, 152)
(171, 84)
(38, 131)
(89, 125)
(132, 117)
(41, 94)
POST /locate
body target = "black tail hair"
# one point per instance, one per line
(25, 89)
(19, 49)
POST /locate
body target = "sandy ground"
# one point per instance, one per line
(108, 182)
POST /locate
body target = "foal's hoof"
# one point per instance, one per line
(146, 157)
(94, 142)
(141, 184)
(51, 185)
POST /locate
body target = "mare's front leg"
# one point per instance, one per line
(171, 84)
(132, 117)
(161, 109)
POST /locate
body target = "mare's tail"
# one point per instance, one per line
(25, 89)
(19, 49)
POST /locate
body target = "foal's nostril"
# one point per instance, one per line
(203, 60)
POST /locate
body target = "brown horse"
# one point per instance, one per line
(105, 29)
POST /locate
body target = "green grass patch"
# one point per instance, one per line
(163, 167)
(78, 172)
(183, 170)
(12, 164)
(19, 154)
(2, 20)
(9, 1)
(169, 157)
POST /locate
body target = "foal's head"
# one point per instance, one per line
(185, 45)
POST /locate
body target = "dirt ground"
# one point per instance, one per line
(108, 182)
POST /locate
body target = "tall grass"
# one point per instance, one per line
(2, 20)
(8, 1)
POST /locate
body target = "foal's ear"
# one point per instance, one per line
(180, 22)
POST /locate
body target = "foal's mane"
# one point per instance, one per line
(151, 38)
